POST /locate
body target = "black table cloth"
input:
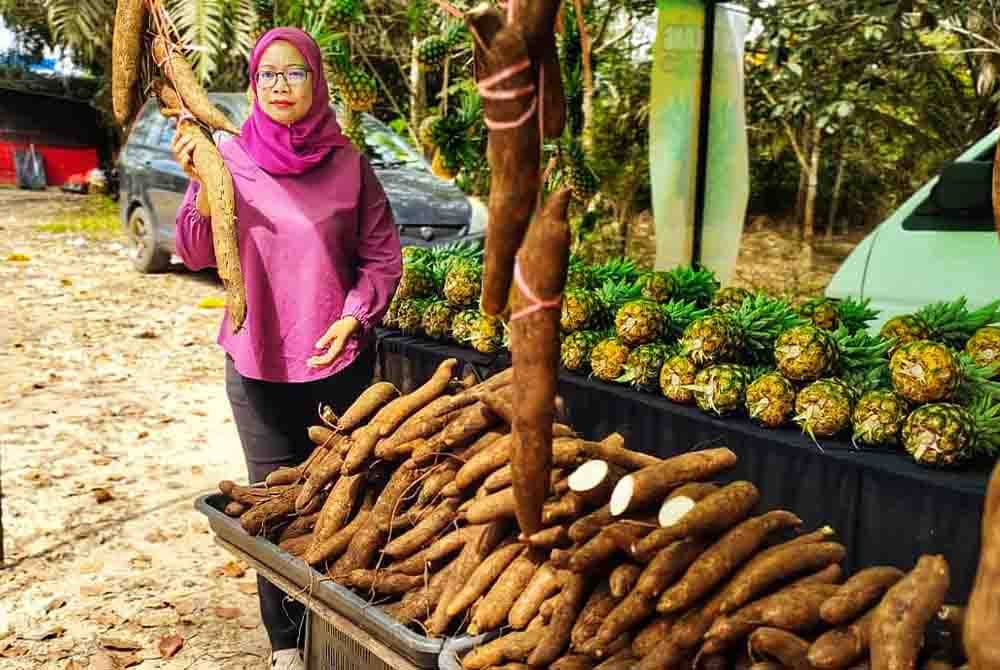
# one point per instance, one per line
(885, 509)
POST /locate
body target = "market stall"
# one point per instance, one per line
(887, 508)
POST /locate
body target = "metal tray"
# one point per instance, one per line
(421, 651)
(454, 649)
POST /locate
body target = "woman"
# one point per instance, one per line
(321, 259)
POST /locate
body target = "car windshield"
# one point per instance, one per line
(390, 150)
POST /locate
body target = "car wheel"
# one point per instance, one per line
(147, 256)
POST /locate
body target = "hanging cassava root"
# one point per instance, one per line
(126, 50)
(219, 182)
(175, 66)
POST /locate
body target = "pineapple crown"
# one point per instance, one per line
(758, 371)
(613, 294)
(618, 270)
(760, 319)
(695, 285)
(863, 380)
(860, 351)
(678, 315)
(454, 34)
(985, 412)
(977, 380)
(952, 322)
(855, 315)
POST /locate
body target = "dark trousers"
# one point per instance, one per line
(272, 420)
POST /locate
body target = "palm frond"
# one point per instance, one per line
(201, 25)
(78, 23)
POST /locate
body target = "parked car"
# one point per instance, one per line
(939, 245)
(428, 210)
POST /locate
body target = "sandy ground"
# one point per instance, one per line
(112, 390)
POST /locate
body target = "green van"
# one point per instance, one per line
(939, 245)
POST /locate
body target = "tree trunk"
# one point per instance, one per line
(418, 90)
(838, 185)
(809, 220)
(801, 196)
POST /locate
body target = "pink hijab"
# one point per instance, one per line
(295, 149)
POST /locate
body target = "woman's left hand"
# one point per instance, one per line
(334, 340)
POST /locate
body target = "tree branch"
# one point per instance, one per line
(800, 155)
(392, 99)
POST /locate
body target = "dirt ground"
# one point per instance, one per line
(113, 392)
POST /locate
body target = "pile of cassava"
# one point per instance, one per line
(643, 562)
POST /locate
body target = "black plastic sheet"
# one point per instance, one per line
(885, 509)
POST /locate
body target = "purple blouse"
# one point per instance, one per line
(313, 248)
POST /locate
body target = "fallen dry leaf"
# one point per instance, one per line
(73, 665)
(170, 645)
(43, 634)
(232, 569)
(55, 604)
(227, 612)
(102, 495)
(93, 589)
(249, 588)
(14, 651)
(118, 644)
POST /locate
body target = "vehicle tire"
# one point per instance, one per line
(146, 254)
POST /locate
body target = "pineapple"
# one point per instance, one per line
(410, 314)
(436, 320)
(946, 322)
(358, 89)
(771, 400)
(820, 312)
(747, 332)
(946, 435)
(823, 408)
(463, 283)
(608, 358)
(582, 181)
(584, 309)
(580, 275)
(417, 280)
(462, 325)
(657, 286)
(487, 334)
(692, 285)
(344, 12)
(428, 128)
(878, 417)
(355, 132)
(431, 51)
(643, 321)
(984, 348)
(925, 371)
(639, 322)
(730, 298)
(643, 366)
(677, 377)
(806, 353)
(576, 349)
(390, 320)
(721, 389)
(828, 314)
(413, 254)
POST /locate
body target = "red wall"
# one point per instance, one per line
(60, 162)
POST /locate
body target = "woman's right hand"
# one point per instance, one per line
(183, 150)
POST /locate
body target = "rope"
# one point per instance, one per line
(536, 303)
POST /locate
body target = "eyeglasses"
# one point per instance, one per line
(294, 76)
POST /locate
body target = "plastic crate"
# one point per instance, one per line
(422, 651)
